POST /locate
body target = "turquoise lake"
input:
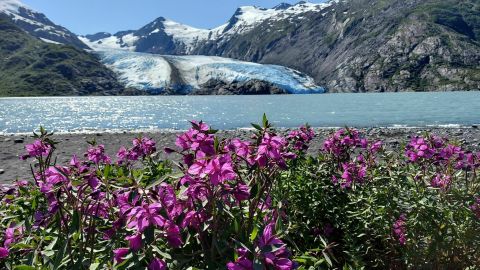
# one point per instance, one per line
(93, 114)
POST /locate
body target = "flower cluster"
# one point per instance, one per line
(270, 250)
(400, 229)
(228, 202)
(353, 172)
(37, 149)
(441, 181)
(97, 155)
(439, 152)
(353, 155)
(442, 156)
(301, 137)
(101, 201)
(142, 147)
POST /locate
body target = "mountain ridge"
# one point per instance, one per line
(350, 46)
(37, 24)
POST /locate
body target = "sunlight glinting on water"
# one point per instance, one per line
(83, 114)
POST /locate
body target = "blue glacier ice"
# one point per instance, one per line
(151, 72)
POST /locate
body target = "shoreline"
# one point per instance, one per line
(176, 131)
(12, 145)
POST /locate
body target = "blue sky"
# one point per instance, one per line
(91, 16)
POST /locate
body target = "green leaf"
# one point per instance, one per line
(60, 254)
(149, 235)
(216, 144)
(254, 191)
(75, 226)
(23, 267)
(265, 121)
(106, 171)
(163, 254)
(256, 126)
(254, 233)
(94, 266)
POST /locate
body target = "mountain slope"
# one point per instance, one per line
(365, 46)
(37, 24)
(347, 46)
(31, 67)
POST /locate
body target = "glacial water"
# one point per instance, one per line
(148, 113)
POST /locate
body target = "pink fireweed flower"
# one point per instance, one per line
(278, 259)
(168, 199)
(241, 192)
(99, 206)
(97, 155)
(301, 137)
(400, 230)
(272, 150)
(120, 253)
(197, 190)
(157, 264)
(197, 139)
(144, 146)
(242, 262)
(13, 234)
(92, 180)
(220, 169)
(38, 149)
(135, 241)
(342, 141)
(4, 252)
(173, 236)
(353, 172)
(198, 168)
(475, 207)
(142, 217)
(242, 149)
(441, 181)
(376, 146)
(433, 148)
(124, 203)
(122, 155)
(194, 219)
(53, 176)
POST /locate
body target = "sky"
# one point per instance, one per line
(92, 16)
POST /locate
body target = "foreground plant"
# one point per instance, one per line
(234, 204)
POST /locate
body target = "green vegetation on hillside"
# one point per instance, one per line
(31, 67)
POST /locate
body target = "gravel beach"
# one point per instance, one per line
(11, 146)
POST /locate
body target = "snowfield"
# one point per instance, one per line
(151, 72)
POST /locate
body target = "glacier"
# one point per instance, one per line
(155, 73)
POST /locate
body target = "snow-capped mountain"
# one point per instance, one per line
(164, 36)
(184, 74)
(37, 24)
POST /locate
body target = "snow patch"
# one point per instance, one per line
(11, 6)
(50, 41)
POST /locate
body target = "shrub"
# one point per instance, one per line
(257, 204)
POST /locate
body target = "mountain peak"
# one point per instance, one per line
(11, 6)
(282, 6)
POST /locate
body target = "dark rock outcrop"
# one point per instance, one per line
(252, 87)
